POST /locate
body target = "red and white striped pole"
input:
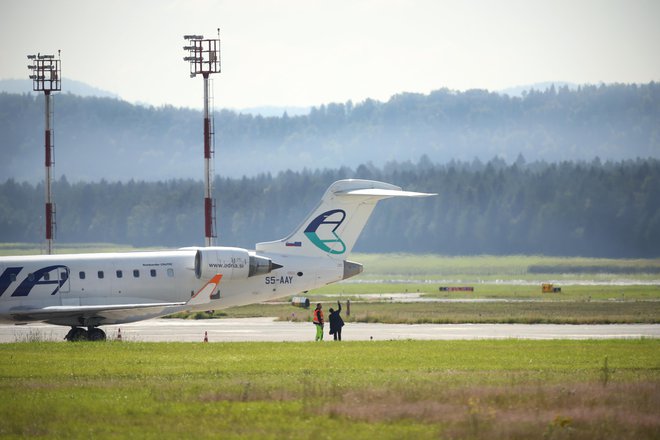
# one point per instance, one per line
(46, 77)
(50, 212)
(204, 58)
(208, 179)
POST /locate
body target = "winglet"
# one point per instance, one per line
(203, 295)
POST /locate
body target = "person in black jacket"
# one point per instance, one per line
(336, 323)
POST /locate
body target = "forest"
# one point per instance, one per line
(104, 138)
(570, 208)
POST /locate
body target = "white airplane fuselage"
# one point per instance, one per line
(58, 282)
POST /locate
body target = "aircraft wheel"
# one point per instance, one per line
(95, 334)
(76, 334)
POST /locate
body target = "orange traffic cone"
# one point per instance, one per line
(206, 337)
(119, 334)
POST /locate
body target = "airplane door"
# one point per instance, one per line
(63, 275)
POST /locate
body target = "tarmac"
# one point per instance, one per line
(268, 329)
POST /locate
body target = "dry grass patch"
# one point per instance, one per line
(626, 410)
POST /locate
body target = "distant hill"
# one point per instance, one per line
(68, 86)
(105, 138)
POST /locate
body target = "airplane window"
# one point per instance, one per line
(136, 273)
(153, 272)
(46, 276)
(100, 273)
(120, 274)
(170, 272)
(12, 277)
(81, 275)
(31, 277)
(63, 276)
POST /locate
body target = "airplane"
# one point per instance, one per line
(86, 291)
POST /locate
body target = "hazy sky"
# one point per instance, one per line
(308, 52)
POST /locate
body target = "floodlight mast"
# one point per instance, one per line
(204, 58)
(46, 74)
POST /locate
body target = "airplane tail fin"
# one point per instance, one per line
(335, 224)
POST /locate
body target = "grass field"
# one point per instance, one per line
(398, 389)
(459, 312)
(523, 304)
(492, 389)
(502, 268)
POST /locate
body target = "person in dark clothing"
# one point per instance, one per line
(336, 323)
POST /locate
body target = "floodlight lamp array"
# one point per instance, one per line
(203, 55)
(45, 72)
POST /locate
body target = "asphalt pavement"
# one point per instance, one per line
(268, 329)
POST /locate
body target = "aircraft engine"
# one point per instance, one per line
(232, 263)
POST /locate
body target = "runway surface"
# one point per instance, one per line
(267, 329)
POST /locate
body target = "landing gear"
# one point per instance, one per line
(80, 334)
(95, 334)
(76, 334)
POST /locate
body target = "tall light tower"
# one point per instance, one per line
(46, 74)
(204, 58)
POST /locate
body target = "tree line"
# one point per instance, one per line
(570, 208)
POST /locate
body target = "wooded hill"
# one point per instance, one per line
(594, 209)
(99, 138)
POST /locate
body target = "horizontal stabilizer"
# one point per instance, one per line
(384, 193)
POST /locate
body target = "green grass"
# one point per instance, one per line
(492, 268)
(396, 389)
(628, 312)
(576, 304)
